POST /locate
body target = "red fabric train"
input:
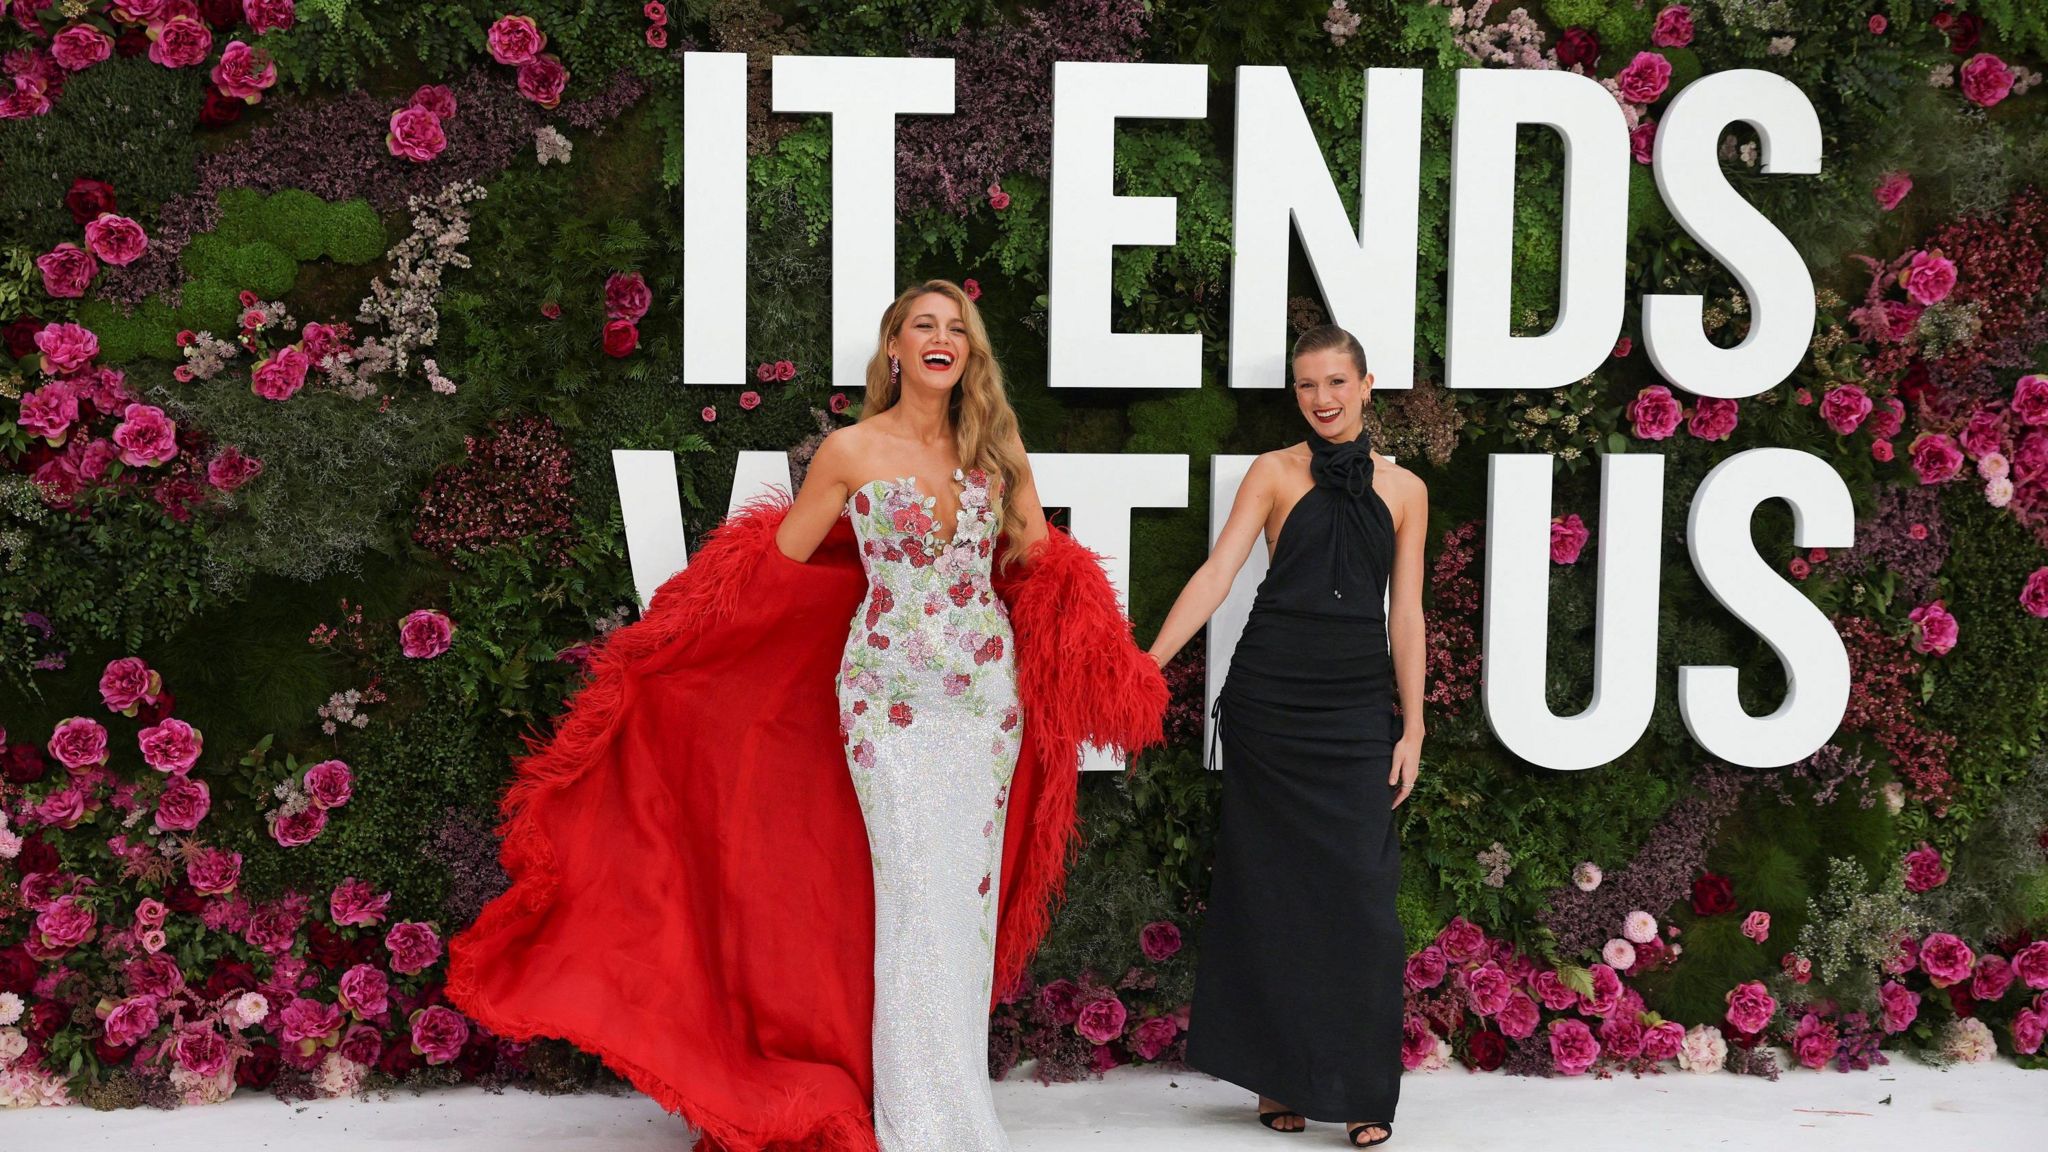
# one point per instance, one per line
(691, 891)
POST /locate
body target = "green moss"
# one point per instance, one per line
(355, 235)
(262, 268)
(209, 254)
(1566, 13)
(240, 216)
(1646, 210)
(209, 306)
(1624, 30)
(298, 222)
(1685, 67)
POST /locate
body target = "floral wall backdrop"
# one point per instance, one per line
(321, 318)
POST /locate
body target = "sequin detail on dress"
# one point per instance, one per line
(928, 710)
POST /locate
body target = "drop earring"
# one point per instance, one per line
(895, 371)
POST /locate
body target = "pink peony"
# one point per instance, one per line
(170, 745)
(1622, 1036)
(1487, 988)
(542, 80)
(243, 73)
(328, 783)
(230, 470)
(1673, 28)
(1642, 144)
(1844, 408)
(1814, 1041)
(1946, 959)
(80, 46)
(1606, 991)
(66, 348)
(1655, 412)
(1900, 1005)
(2030, 964)
(1985, 79)
(1644, 79)
(439, 1033)
(200, 1050)
(2029, 1029)
(1568, 536)
(1750, 1007)
(282, 374)
(425, 633)
(1518, 1016)
(180, 41)
(1425, 969)
(1572, 1046)
(1159, 940)
(67, 269)
(1153, 1036)
(414, 946)
(626, 296)
(415, 134)
(1935, 457)
(297, 829)
(128, 683)
(131, 1021)
(307, 1020)
(515, 39)
(269, 15)
(1713, 418)
(1664, 1041)
(1991, 979)
(49, 411)
(146, 436)
(1418, 1043)
(1929, 278)
(79, 742)
(1934, 630)
(1461, 940)
(1892, 189)
(62, 925)
(1757, 925)
(2029, 399)
(183, 804)
(1101, 1019)
(365, 990)
(356, 903)
(214, 871)
(1060, 1001)
(435, 98)
(2034, 593)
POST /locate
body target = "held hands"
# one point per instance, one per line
(1407, 762)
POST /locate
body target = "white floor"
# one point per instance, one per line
(1995, 1106)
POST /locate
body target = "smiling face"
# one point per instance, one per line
(1331, 393)
(932, 345)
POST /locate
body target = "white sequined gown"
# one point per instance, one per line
(928, 709)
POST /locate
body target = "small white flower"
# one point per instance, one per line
(1639, 926)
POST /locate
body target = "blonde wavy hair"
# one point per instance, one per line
(984, 424)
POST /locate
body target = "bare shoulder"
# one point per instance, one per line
(841, 453)
(1400, 487)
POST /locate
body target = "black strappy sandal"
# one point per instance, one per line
(1353, 1133)
(1272, 1120)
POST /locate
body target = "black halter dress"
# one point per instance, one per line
(1298, 987)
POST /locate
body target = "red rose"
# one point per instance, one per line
(221, 14)
(20, 335)
(87, 199)
(17, 970)
(1578, 46)
(1487, 1050)
(23, 763)
(230, 976)
(219, 109)
(37, 855)
(1712, 895)
(111, 1054)
(620, 338)
(259, 1067)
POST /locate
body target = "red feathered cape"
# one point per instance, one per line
(691, 893)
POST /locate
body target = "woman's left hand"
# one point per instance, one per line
(1407, 762)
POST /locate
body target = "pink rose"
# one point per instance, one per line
(1622, 1036)
(1946, 959)
(1644, 79)
(750, 400)
(128, 683)
(1664, 1041)
(282, 374)
(425, 633)
(1101, 1019)
(323, 340)
(2029, 399)
(146, 436)
(150, 912)
(1426, 968)
(708, 413)
(1750, 1007)
(49, 411)
(354, 903)
(435, 98)
(1568, 536)
(1881, 451)
(328, 783)
(839, 402)
(297, 829)
(183, 804)
(214, 871)
(1673, 28)
(1814, 1041)
(542, 80)
(1713, 418)
(80, 46)
(181, 41)
(200, 1050)
(1152, 1036)
(365, 990)
(1934, 631)
(1060, 1001)
(63, 925)
(1553, 991)
(414, 945)
(1642, 142)
(1487, 988)
(2030, 964)
(1845, 408)
(1991, 979)
(1606, 991)
(1985, 79)
(230, 470)
(1572, 1046)
(1878, 23)
(67, 269)
(66, 348)
(1929, 278)
(1900, 1004)
(785, 370)
(1418, 1043)
(1654, 411)
(2029, 1029)
(1936, 457)
(131, 1021)
(170, 745)
(1892, 189)
(1757, 925)
(1461, 940)
(415, 134)
(515, 39)
(304, 1019)
(79, 742)
(626, 296)
(1518, 1016)
(243, 73)
(63, 808)
(439, 1033)
(1159, 940)
(269, 15)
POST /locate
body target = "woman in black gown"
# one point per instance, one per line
(1298, 987)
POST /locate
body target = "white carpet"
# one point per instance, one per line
(1996, 1107)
